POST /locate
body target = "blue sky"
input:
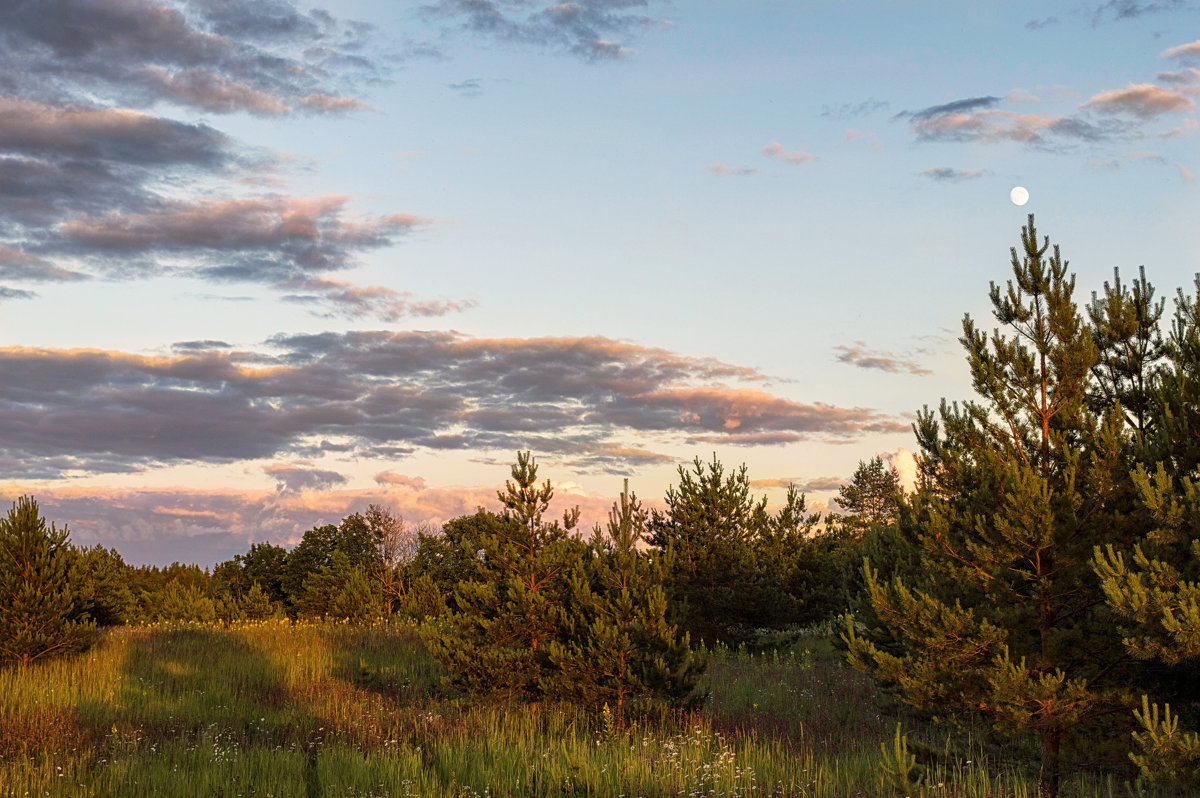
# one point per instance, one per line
(262, 264)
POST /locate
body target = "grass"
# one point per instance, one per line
(275, 709)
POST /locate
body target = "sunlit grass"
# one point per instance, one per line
(275, 709)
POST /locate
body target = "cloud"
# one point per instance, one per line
(862, 357)
(1187, 76)
(1038, 24)
(905, 464)
(1188, 127)
(723, 169)
(472, 87)
(1184, 172)
(79, 84)
(237, 56)
(776, 150)
(1143, 100)
(1021, 96)
(853, 110)
(345, 300)
(997, 125)
(276, 240)
(957, 107)
(392, 478)
(943, 174)
(297, 478)
(15, 293)
(381, 394)
(17, 265)
(585, 28)
(1120, 10)
(1184, 52)
(814, 485)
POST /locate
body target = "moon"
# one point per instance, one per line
(1019, 195)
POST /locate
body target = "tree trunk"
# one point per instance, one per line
(1048, 778)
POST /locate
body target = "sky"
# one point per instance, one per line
(264, 263)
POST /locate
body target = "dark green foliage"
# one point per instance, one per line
(101, 583)
(496, 638)
(1152, 586)
(708, 528)
(36, 599)
(1175, 438)
(263, 565)
(620, 647)
(871, 498)
(349, 545)
(180, 602)
(1003, 617)
(735, 568)
(343, 590)
(1126, 333)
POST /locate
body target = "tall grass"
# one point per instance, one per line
(275, 709)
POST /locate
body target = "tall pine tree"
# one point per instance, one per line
(1004, 617)
(36, 599)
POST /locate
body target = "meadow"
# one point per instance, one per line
(281, 709)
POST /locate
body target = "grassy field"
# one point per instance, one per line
(282, 710)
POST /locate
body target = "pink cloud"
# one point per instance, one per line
(776, 150)
(1191, 50)
(1142, 100)
(723, 169)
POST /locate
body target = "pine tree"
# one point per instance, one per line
(1154, 587)
(1126, 333)
(871, 498)
(36, 598)
(619, 646)
(496, 641)
(1004, 617)
(709, 528)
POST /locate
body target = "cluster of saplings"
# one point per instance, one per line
(1042, 576)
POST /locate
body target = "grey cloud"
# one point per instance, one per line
(1038, 24)
(967, 105)
(297, 478)
(859, 355)
(584, 28)
(200, 346)
(15, 293)
(1119, 10)
(1183, 77)
(83, 164)
(387, 394)
(853, 110)
(39, 129)
(17, 265)
(239, 55)
(472, 87)
(943, 174)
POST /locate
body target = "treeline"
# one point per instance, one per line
(1042, 577)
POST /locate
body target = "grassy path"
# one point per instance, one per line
(282, 710)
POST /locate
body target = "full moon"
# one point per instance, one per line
(1019, 195)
